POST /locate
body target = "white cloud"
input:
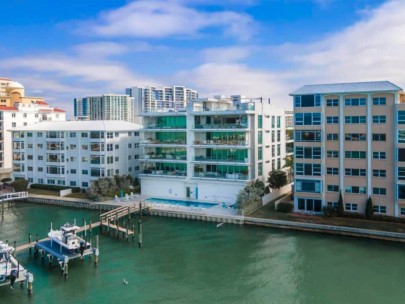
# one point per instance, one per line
(226, 54)
(372, 49)
(158, 19)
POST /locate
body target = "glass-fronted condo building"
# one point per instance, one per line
(350, 138)
(211, 149)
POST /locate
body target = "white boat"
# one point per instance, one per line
(10, 269)
(67, 238)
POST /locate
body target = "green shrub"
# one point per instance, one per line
(369, 208)
(340, 207)
(354, 215)
(20, 185)
(285, 207)
(329, 211)
(54, 187)
(6, 179)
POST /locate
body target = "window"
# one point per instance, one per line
(278, 135)
(308, 169)
(401, 117)
(278, 149)
(40, 157)
(379, 101)
(379, 119)
(355, 119)
(380, 191)
(72, 134)
(379, 173)
(402, 211)
(379, 155)
(29, 168)
(39, 134)
(355, 136)
(401, 136)
(332, 154)
(307, 136)
(273, 136)
(40, 169)
(355, 172)
(355, 154)
(308, 152)
(13, 125)
(356, 190)
(273, 151)
(401, 191)
(73, 183)
(332, 119)
(110, 135)
(308, 204)
(117, 147)
(401, 155)
(110, 147)
(355, 102)
(307, 119)
(381, 209)
(401, 173)
(260, 121)
(312, 186)
(332, 171)
(332, 136)
(332, 102)
(259, 138)
(29, 134)
(85, 184)
(332, 188)
(73, 171)
(379, 137)
(85, 134)
(304, 101)
(260, 153)
(350, 207)
(332, 204)
(85, 172)
(260, 169)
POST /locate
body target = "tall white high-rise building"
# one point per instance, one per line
(105, 107)
(154, 99)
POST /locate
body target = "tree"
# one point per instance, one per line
(103, 187)
(289, 164)
(249, 195)
(20, 185)
(369, 208)
(340, 207)
(277, 179)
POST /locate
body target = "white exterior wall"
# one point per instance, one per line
(25, 115)
(77, 155)
(220, 189)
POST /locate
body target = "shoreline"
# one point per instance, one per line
(222, 218)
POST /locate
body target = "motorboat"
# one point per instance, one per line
(10, 268)
(67, 238)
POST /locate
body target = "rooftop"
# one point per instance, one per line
(93, 125)
(352, 87)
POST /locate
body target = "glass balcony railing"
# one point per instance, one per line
(221, 126)
(165, 172)
(166, 142)
(163, 156)
(221, 142)
(218, 175)
(216, 159)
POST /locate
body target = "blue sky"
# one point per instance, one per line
(66, 49)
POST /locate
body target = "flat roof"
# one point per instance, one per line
(351, 87)
(83, 125)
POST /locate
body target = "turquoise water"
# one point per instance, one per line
(181, 203)
(185, 261)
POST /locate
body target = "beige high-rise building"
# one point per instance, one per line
(350, 138)
(12, 92)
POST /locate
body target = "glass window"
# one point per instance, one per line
(379, 101)
(379, 119)
(401, 117)
(332, 102)
(312, 186)
(355, 102)
(401, 136)
(379, 137)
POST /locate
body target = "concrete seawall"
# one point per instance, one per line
(220, 218)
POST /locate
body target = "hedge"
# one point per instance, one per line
(285, 207)
(54, 187)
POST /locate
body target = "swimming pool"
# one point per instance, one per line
(181, 202)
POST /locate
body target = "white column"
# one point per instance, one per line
(369, 150)
(396, 207)
(323, 149)
(341, 144)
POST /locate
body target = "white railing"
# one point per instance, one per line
(13, 195)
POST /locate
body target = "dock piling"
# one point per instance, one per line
(29, 242)
(140, 233)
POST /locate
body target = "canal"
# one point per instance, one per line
(184, 261)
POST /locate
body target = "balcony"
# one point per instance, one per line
(220, 126)
(163, 128)
(170, 173)
(218, 175)
(169, 157)
(239, 143)
(229, 159)
(166, 142)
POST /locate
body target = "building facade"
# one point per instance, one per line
(105, 107)
(154, 99)
(211, 149)
(74, 153)
(17, 110)
(348, 140)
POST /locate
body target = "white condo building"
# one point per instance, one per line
(105, 107)
(211, 149)
(74, 153)
(154, 99)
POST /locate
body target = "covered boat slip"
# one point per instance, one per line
(60, 252)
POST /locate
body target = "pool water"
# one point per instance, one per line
(181, 203)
